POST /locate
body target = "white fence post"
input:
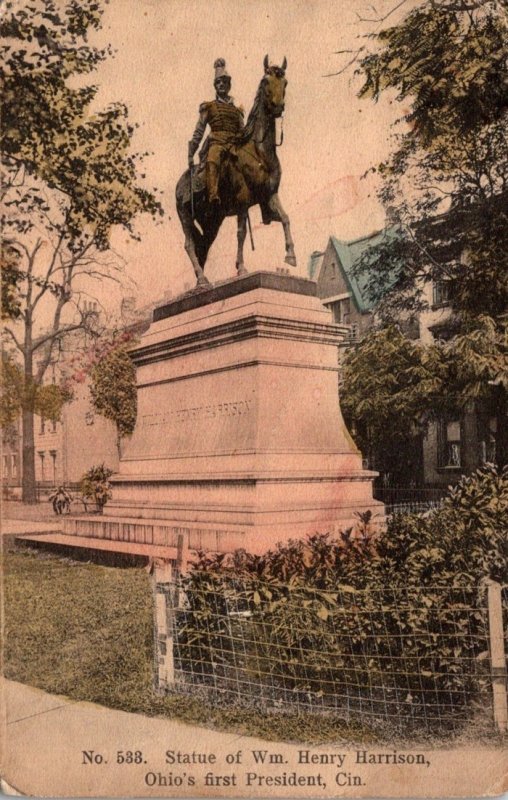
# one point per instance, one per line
(497, 656)
(163, 624)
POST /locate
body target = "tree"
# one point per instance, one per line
(69, 177)
(19, 394)
(390, 389)
(445, 184)
(113, 390)
(445, 189)
(393, 387)
(11, 278)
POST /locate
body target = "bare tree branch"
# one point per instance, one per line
(14, 339)
(346, 66)
(383, 18)
(49, 270)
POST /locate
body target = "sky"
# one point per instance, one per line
(163, 70)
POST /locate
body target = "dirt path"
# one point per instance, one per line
(53, 746)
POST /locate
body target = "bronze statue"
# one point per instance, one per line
(246, 170)
(225, 121)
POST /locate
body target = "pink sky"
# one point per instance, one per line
(163, 69)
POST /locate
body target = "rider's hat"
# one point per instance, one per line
(219, 66)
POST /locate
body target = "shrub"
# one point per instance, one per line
(95, 485)
(463, 542)
(402, 612)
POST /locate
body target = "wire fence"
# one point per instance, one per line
(402, 658)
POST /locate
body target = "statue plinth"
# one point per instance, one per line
(239, 441)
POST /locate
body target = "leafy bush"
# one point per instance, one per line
(95, 485)
(398, 618)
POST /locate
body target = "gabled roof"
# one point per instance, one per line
(314, 265)
(348, 254)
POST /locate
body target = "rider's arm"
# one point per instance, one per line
(198, 132)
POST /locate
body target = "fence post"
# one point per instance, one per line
(497, 656)
(163, 623)
(182, 555)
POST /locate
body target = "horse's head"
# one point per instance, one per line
(274, 87)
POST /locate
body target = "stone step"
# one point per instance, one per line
(92, 543)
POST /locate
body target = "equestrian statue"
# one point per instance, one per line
(238, 168)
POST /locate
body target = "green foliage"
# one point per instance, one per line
(20, 392)
(50, 399)
(390, 387)
(69, 177)
(48, 126)
(475, 359)
(113, 389)
(449, 61)
(11, 279)
(444, 185)
(12, 391)
(403, 609)
(95, 485)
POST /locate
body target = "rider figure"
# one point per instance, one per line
(226, 123)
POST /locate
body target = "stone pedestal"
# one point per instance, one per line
(239, 441)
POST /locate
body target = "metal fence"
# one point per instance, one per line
(401, 659)
(409, 500)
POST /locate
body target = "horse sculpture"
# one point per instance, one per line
(250, 175)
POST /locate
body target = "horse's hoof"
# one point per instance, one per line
(202, 283)
(291, 260)
(241, 271)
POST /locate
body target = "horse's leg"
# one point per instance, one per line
(190, 249)
(241, 233)
(279, 215)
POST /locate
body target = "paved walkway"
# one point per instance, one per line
(35, 512)
(56, 747)
(19, 518)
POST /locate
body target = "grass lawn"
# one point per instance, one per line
(86, 631)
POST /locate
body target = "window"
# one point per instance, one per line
(355, 332)
(43, 425)
(341, 310)
(449, 444)
(53, 459)
(53, 425)
(6, 466)
(488, 434)
(41, 456)
(14, 465)
(441, 293)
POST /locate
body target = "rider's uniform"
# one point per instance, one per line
(226, 122)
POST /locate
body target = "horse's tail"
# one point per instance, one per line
(204, 235)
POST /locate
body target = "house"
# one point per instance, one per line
(452, 446)
(67, 448)
(345, 293)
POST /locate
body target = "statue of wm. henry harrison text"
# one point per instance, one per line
(240, 166)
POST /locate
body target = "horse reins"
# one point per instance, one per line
(277, 144)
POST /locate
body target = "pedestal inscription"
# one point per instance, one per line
(226, 409)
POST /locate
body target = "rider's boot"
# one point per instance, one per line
(212, 183)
